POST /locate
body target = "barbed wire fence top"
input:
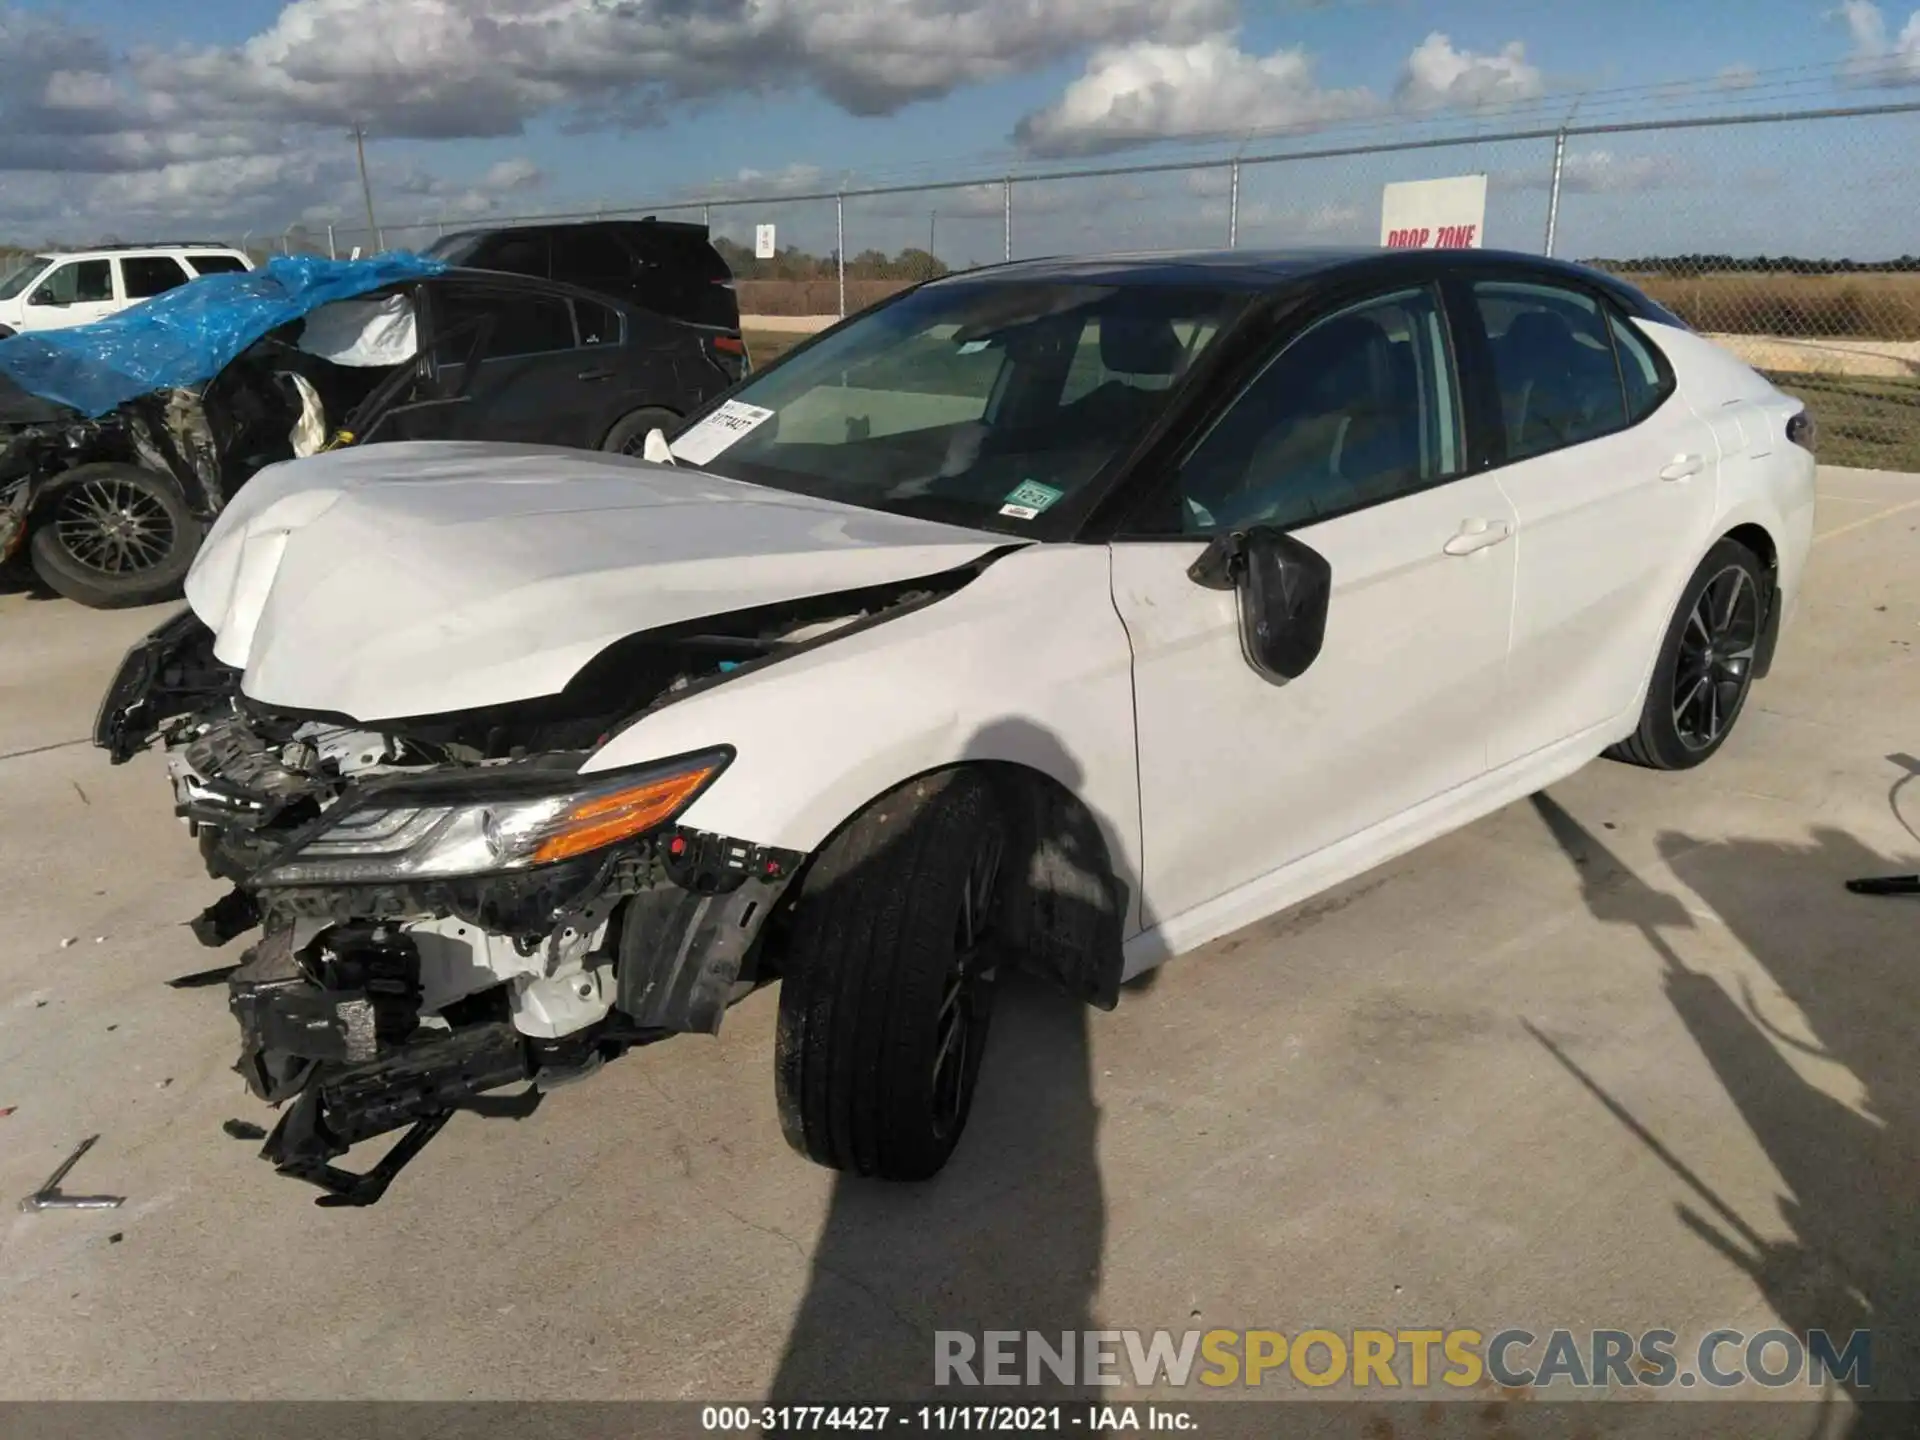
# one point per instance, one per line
(1788, 236)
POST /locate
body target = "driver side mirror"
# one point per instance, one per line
(1284, 587)
(44, 296)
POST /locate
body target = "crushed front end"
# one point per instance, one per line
(447, 906)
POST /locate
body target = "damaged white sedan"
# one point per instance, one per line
(1062, 616)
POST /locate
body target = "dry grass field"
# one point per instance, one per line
(1849, 307)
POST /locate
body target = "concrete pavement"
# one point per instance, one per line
(1624, 1056)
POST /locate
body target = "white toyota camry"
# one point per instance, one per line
(1065, 615)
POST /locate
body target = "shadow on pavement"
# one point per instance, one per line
(1008, 1237)
(1851, 966)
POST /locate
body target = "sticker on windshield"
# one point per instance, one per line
(1028, 499)
(722, 428)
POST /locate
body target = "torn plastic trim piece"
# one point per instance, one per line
(168, 673)
(684, 945)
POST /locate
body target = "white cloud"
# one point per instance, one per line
(1737, 77)
(519, 173)
(1438, 76)
(1877, 58)
(429, 69)
(432, 68)
(1147, 91)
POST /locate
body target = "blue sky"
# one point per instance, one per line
(227, 114)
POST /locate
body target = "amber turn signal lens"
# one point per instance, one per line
(608, 819)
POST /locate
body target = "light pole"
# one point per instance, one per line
(366, 186)
(933, 221)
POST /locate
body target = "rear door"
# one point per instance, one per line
(513, 360)
(1611, 475)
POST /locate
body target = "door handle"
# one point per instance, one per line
(1682, 466)
(594, 375)
(1477, 535)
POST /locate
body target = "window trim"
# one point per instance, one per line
(1295, 327)
(1492, 444)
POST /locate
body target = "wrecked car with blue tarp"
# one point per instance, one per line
(120, 441)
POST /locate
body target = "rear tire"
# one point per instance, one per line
(1704, 672)
(890, 968)
(113, 535)
(629, 433)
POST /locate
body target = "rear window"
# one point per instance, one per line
(148, 275)
(216, 264)
(688, 251)
(589, 252)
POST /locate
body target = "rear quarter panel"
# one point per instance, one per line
(1764, 479)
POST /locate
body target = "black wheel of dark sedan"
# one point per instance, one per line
(629, 434)
(888, 981)
(1705, 670)
(113, 535)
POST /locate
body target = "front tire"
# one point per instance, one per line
(112, 535)
(629, 433)
(891, 961)
(1704, 672)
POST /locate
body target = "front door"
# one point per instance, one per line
(77, 292)
(1612, 478)
(1352, 439)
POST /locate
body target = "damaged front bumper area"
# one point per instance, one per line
(437, 922)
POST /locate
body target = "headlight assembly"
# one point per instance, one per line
(488, 822)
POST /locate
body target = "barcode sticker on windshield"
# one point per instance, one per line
(722, 428)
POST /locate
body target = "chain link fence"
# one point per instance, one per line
(1788, 238)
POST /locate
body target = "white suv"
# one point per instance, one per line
(53, 291)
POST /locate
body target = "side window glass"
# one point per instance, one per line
(589, 253)
(217, 264)
(148, 275)
(515, 254)
(1638, 369)
(79, 282)
(598, 324)
(1553, 365)
(1358, 410)
(514, 324)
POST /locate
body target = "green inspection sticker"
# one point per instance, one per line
(1027, 499)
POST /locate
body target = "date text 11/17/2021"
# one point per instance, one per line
(951, 1419)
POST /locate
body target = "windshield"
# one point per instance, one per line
(22, 275)
(977, 403)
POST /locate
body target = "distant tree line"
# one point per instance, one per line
(793, 263)
(1789, 264)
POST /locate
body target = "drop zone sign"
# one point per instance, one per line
(1448, 214)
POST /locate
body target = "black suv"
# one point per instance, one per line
(667, 266)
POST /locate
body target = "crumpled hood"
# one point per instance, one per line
(418, 578)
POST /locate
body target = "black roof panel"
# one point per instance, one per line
(1247, 269)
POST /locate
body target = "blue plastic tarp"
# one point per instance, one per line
(191, 333)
